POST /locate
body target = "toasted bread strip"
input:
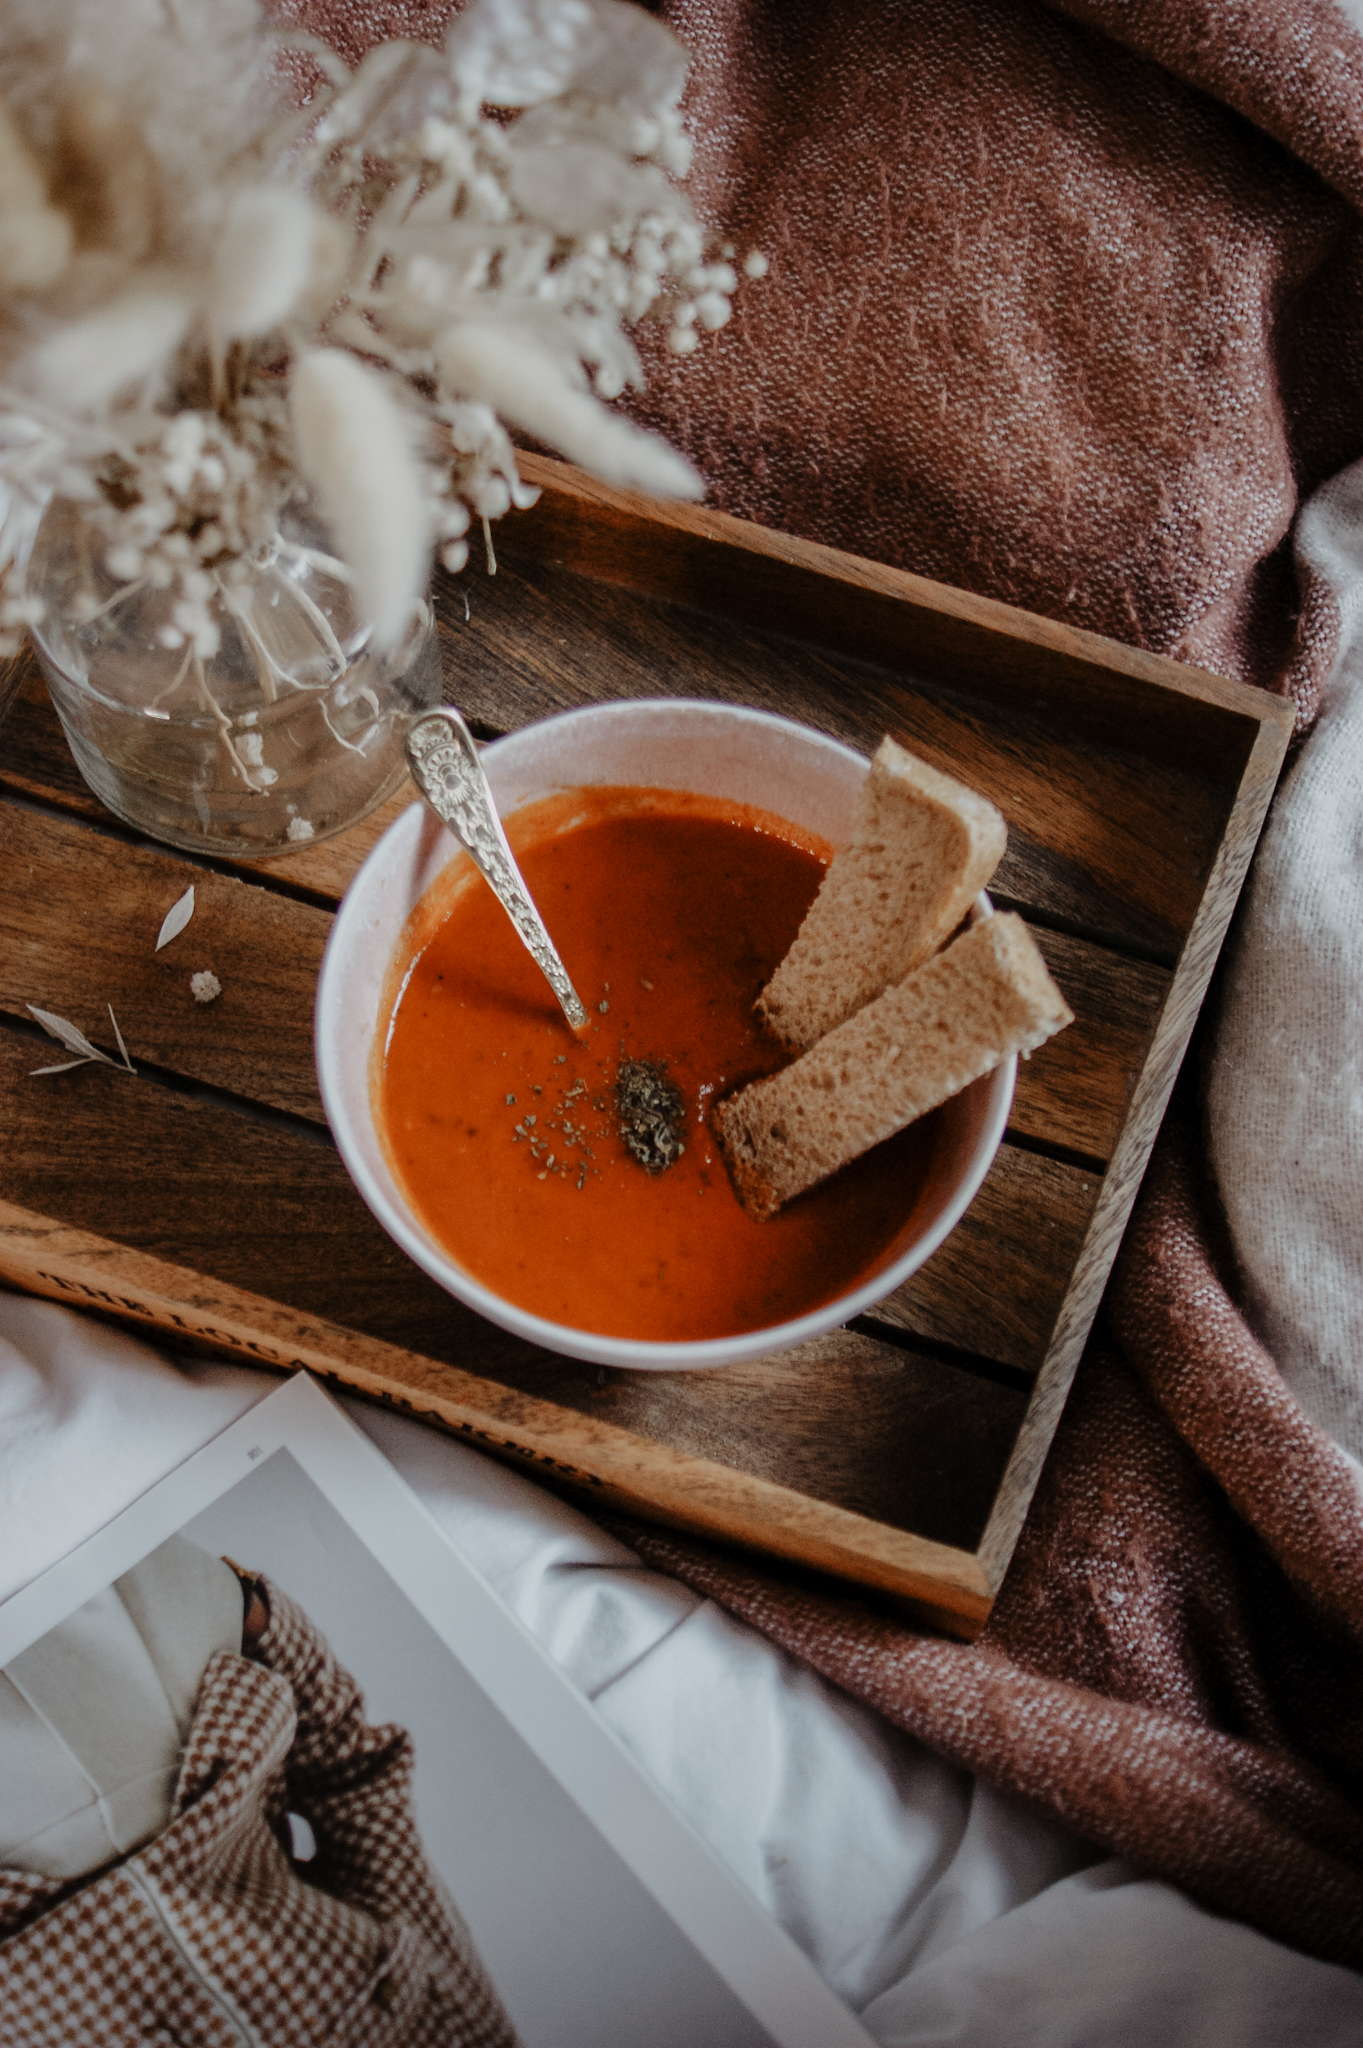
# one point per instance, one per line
(957, 1017)
(922, 848)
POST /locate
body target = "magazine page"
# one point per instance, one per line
(277, 1766)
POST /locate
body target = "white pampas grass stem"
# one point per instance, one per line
(531, 388)
(354, 448)
(262, 262)
(87, 361)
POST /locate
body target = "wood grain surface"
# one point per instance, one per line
(590, 1456)
(81, 934)
(999, 1283)
(901, 1453)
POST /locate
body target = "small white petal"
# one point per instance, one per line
(176, 918)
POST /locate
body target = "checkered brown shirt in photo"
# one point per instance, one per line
(212, 1937)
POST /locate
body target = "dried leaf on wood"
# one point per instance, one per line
(75, 1041)
(118, 1035)
(67, 1035)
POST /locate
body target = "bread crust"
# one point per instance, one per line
(922, 848)
(954, 1019)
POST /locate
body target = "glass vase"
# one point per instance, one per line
(288, 731)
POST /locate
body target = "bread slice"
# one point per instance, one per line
(922, 848)
(957, 1017)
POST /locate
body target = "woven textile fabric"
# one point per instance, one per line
(212, 1935)
(1066, 307)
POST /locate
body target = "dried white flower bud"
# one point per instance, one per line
(489, 267)
(205, 985)
(493, 498)
(354, 448)
(84, 363)
(755, 264)
(261, 263)
(531, 389)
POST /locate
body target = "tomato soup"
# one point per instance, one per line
(504, 1128)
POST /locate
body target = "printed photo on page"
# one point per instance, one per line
(278, 1768)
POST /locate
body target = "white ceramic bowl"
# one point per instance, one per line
(716, 750)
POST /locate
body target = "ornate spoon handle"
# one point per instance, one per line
(443, 758)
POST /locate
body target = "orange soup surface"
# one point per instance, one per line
(670, 913)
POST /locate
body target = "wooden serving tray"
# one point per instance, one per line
(205, 1198)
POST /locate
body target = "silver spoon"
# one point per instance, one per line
(443, 757)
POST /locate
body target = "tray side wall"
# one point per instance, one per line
(591, 1458)
(715, 563)
(1127, 1168)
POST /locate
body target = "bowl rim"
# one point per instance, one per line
(592, 1347)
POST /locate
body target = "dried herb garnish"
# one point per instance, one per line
(651, 1112)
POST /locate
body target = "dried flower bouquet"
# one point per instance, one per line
(245, 339)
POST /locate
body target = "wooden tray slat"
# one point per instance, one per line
(82, 934)
(997, 1285)
(273, 1211)
(1149, 1100)
(1073, 1093)
(1094, 838)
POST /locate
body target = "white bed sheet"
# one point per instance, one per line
(941, 1911)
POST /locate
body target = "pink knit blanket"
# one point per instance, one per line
(1066, 306)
